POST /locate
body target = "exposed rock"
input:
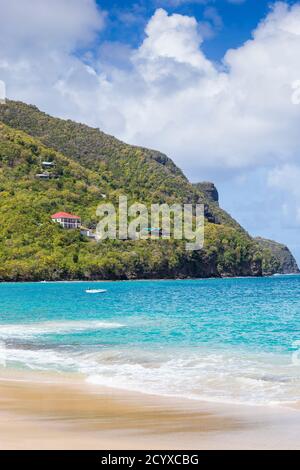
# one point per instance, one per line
(277, 258)
(209, 190)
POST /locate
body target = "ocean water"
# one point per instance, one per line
(229, 340)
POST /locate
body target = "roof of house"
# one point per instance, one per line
(64, 215)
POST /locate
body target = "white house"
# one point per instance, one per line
(67, 220)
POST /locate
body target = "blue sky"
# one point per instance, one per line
(127, 20)
(213, 84)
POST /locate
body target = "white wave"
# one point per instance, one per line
(56, 327)
(39, 359)
(209, 377)
(229, 377)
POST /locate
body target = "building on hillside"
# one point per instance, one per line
(48, 164)
(43, 176)
(66, 220)
(87, 232)
(46, 176)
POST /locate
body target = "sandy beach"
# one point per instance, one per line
(49, 411)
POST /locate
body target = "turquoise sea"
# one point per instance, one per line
(226, 340)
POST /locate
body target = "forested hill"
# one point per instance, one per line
(88, 165)
(145, 174)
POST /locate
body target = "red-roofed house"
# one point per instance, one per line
(67, 220)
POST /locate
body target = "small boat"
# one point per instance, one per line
(95, 291)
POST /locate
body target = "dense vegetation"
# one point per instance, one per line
(277, 258)
(89, 164)
(145, 175)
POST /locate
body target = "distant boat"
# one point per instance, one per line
(95, 291)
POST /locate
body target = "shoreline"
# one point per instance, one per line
(41, 410)
(43, 281)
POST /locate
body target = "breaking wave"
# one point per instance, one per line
(10, 331)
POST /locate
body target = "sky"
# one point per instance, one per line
(215, 84)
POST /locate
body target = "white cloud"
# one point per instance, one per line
(41, 23)
(170, 40)
(38, 39)
(166, 93)
(286, 178)
(238, 117)
(2, 92)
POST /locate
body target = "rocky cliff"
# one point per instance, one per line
(283, 261)
(209, 190)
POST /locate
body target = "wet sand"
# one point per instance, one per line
(51, 411)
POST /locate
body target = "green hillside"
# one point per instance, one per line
(144, 174)
(88, 164)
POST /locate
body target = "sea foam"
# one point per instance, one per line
(53, 327)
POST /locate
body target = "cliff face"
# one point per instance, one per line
(278, 258)
(209, 190)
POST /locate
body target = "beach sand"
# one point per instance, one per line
(49, 411)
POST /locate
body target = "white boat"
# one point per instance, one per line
(95, 291)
